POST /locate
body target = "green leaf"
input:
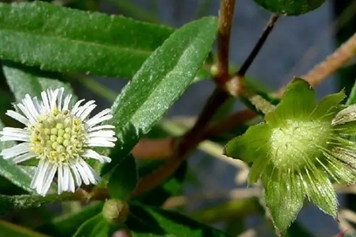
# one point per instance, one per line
(284, 198)
(145, 221)
(298, 101)
(62, 39)
(96, 226)
(67, 225)
(352, 96)
(24, 80)
(124, 178)
(327, 108)
(321, 192)
(290, 7)
(161, 80)
(9, 203)
(249, 147)
(18, 175)
(9, 229)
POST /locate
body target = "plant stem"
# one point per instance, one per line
(225, 22)
(235, 84)
(266, 32)
(332, 63)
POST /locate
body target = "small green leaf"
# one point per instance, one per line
(164, 76)
(298, 101)
(20, 176)
(9, 229)
(124, 178)
(352, 96)
(321, 192)
(96, 226)
(67, 225)
(63, 39)
(145, 221)
(328, 106)
(290, 7)
(252, 145)
(9, 203)
(284, 199)
(24, 80)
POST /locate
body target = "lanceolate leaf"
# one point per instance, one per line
(161, 80)
(290, 7)
(9, 229)
(24, 80)
(123, 179)
(96, 226)
(62, 39)
(67, 225)
(15, 174)
(146, 221)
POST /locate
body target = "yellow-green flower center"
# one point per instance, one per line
(58, 137)
(297, 144)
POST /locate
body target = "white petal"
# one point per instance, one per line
(97, 156)
(91, 174)
(78, 179)
(27, 113)
(60, 179)
(75, 108)
(82, 173)
(66, 173)
(86, 113)
(15, 150)
(101, 127)
(71, 185)
(82, 108)
(60, 97)
(102, 134)
(100, 117)
(53, 96)
(48, 178)
(23, 157)
(37, 179)
(28, 103)
(22, 119)
(45, 101)
(100, 143)
(66, 102)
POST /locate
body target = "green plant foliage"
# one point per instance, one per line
(9, 229)
(300, 145)
(290, 7)
(76, 41)
(165, 75)
(67, 225)
(19, 176)
(152, 221)
(123, 179)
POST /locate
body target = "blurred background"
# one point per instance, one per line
(294, 47)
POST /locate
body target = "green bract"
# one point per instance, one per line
(300, 148)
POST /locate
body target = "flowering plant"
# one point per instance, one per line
(70, 166)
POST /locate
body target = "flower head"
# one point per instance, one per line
(300, 148)
(60, 137)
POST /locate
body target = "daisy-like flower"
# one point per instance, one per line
(60, 137)
(298, 151)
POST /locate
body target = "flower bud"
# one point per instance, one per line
(116, 211)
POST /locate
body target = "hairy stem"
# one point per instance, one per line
(225, 23)
(331, 64)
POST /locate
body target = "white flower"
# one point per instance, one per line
(60, 138)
